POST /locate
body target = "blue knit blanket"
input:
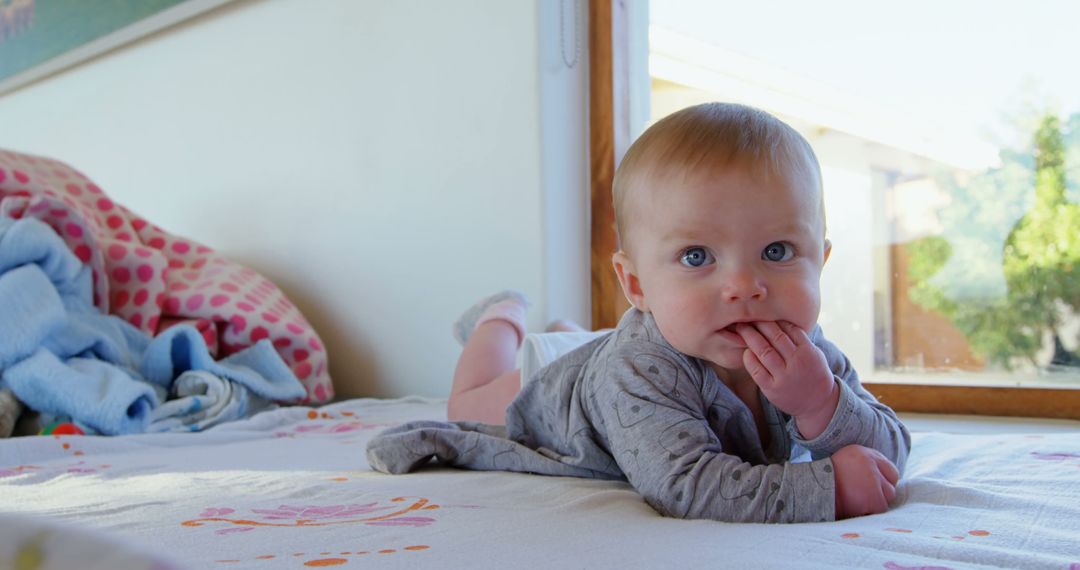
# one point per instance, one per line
(61, 356)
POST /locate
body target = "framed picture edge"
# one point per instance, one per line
(135, 30)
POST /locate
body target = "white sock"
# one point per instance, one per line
(510, 306)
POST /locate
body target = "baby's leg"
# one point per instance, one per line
(485, 380)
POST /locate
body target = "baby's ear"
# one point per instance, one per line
(828, 250)
(629, 281)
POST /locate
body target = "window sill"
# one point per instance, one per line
(1064, 378)
(951, 423)
(940, 397)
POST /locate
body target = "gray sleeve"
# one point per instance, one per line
(859, 418)
(656, 424)
(471, 445)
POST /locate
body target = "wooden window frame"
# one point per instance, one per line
(609, 133)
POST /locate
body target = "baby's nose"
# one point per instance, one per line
(744, 285)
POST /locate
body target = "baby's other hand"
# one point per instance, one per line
(865, 481)
(791, 372)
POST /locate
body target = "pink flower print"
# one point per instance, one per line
(340, 427)
(322, 515)
(234, 530)
(80, 468)
(17, 470)
(315, 512)
(345, 427)
(404, 521)
(895, 566)
(1060, 456)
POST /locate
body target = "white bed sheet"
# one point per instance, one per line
(290, 488)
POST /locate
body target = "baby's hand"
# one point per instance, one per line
(865, 481)
(791, 372)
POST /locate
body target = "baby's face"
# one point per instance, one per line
(725, 249)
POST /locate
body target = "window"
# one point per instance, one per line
(949, 138)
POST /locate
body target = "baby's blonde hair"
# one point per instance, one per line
(701, 139)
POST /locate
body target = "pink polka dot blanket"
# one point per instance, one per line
(155, 280)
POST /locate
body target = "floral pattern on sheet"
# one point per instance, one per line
(324, 423)
(893, 565)
(1062, 456)
(76, 468)
(67, 445)
(399, 511)
(330, 558)
(18, 470)
(979, 533)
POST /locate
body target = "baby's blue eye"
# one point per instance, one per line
(696, 257)
(778, 251)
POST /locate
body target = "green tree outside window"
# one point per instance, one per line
(1006, 271)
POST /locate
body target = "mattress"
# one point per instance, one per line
(290, 488)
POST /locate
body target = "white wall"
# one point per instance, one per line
(564, 148)
(847, 282)
(383, 162)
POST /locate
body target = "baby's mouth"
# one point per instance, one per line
(733, 327)
(731, 335)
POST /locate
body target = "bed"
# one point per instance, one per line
(290, 488)
(135, 484)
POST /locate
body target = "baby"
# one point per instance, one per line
(717, 379)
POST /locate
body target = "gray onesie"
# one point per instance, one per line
(629, 406)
